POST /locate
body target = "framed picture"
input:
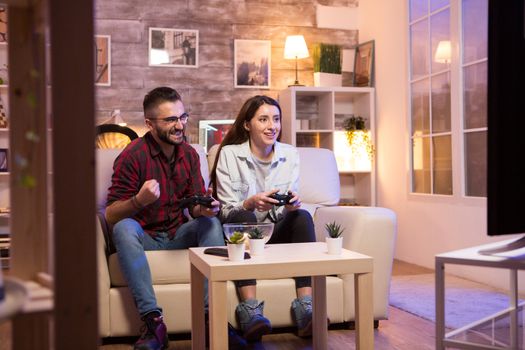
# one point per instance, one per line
(3, 24)
(364, 64)
(3, 160)
(252, 63)
(212, 132)
(173, 47)
(103, 60)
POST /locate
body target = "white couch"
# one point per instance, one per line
(368, 230)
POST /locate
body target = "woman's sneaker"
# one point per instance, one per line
(250, 316)
(154, 334)
(302, 315)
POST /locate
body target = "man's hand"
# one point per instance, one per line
(148, 193)
(201, 210)
(295, 202)
(261, 201)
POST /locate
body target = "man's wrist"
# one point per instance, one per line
(136, 203)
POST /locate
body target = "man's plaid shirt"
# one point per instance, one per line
(178, 178)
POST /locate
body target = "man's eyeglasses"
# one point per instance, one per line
(183, 118)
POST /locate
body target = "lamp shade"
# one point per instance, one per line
(115, 118)
(443, 52)
(295, 47)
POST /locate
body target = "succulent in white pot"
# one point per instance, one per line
(236, 246)
(334, 241)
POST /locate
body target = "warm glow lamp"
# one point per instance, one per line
(295, 48)
(443, 52)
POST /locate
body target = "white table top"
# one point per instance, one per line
(282, 260)
(514, 259)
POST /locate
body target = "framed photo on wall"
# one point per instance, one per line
(252, 64)
(103, 60)
(364, 64)
(3, 24)
(173, 47)
(3, 160)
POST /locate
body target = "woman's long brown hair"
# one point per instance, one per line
(237, 133)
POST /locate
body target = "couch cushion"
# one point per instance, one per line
(204, 163)
(167, 266)
(319, 177)
(104, 170)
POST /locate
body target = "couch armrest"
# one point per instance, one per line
(368, 230)
(104, 282)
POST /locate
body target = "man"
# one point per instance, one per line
(151, 176)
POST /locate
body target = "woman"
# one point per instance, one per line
(250, 166)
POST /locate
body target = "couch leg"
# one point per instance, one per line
(376, 324)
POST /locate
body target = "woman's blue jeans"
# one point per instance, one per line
(131, 243)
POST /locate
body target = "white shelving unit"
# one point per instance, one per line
(314, 116)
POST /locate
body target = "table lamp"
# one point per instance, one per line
(443, 52)
(295, 48)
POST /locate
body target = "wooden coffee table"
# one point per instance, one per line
(280, 261)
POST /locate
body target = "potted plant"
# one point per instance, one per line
(334, 241)
(236, 246)
(327, 65)
(257, 241)
(359, 140)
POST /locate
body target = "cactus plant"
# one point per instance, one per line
(334, 230)
(236, 238)
(256, 233)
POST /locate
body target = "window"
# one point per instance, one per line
(474, 71)
(432, 63)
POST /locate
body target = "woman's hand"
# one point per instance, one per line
(261, 201)
(295, 202)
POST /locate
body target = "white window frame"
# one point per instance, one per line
(457, 131)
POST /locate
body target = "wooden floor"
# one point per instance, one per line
(402, 331)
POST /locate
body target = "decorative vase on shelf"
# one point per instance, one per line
(327, 65)
(327, 79)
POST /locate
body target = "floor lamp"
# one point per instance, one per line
(295, 48)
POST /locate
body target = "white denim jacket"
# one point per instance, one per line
(236, 179)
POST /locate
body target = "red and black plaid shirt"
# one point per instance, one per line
(179, 178)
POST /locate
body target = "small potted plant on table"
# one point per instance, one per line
(334, 241)
(257, 241)
(236, 246)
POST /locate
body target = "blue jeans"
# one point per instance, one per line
(131, 242)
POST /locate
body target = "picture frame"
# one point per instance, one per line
(4, 160)
(170, 47)
(252, 64)
(3, 24)
(364, 64)
(212, 132)
(103, 60)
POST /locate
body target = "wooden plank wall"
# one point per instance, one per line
(208, 91)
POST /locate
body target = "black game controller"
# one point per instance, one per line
(194, 200)
(282, 198)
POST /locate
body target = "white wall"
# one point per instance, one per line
(427, 225)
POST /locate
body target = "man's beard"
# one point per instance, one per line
(164, 135)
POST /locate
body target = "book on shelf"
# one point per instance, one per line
(307, 140)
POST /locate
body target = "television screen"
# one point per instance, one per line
(506, 118)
